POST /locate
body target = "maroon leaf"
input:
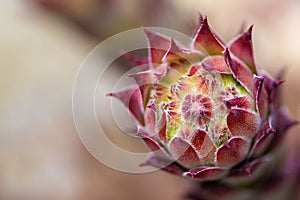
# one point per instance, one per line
(242, 122)
(132, 99)
(149, 77)
(282, 123)
(148, 139)
(183, 152)
(141, 62)
(240, 102)
(198, 24)
(249, 168)
(207, 173)
(240, 71)
(162, 128)
(163, 163)
(174, 52)
(242, 48)
(215, 64)
(260, 97)
(203, 144)
(273, 91)
(206, 41)
(284, 120)
(262, 140)
(146, 79)
(150, 120)
(158, 46)
(232, 152)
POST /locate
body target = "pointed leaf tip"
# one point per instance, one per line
(206, 41)
(158, 46)
(149, 140)
(260, 96)
(174, 52)
(198, 23)
(284, 121)
(140, 61)
(262, 139)
(174, 48)
(163, 162)
(240, 71)
(215, 64)
(132, 99)
(242, 48)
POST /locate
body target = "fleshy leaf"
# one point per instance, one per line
(250, 168)
(240, 102)
(143, 78)
(260, 96)
(150, 120)
(203, 144)
(146, 79)
(183, 152)
(132, 99)
(174, 52)
(215, 64)
(242, 122)
(148, 139)
(206, 41)
(282, 123)
(163, 163)
(139, 61)
(242, 48)
(158, 46)
(240, 71)
(162, 128)
(262, 140)
(198, 24)
(284, 120)
(273, 91)
(232, 152)
(207, 173)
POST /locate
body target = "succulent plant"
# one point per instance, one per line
(207, 112)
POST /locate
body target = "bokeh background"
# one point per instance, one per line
(43, 43)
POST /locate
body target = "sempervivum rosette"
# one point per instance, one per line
(207, 112)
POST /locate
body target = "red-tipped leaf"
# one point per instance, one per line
(240, 71)
(242, 48)
(132, 99)
(158, 46)
(215, 64)
(260, 96)
(206, 41)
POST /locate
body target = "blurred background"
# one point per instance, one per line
(43, 43)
